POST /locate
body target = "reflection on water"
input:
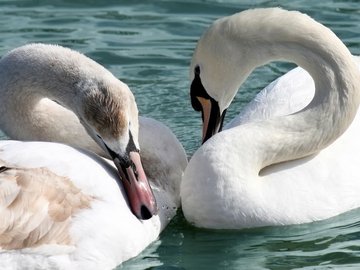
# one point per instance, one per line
(148, 45)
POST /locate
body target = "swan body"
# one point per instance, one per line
(67, 208)
(290, 157)
(96, 229)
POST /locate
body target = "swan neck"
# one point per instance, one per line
(44, 89)
(316, 49)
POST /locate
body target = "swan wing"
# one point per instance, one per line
(37, 206)
(287, 94)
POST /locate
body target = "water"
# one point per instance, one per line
(148, 45)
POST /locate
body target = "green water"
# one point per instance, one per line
(148, 45)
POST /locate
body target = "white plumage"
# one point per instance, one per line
(292, 155)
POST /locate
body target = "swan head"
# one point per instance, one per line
(212, 76)
(224, 57)
(110, 117)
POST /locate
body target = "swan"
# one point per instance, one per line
(288, 158)
(65, 206)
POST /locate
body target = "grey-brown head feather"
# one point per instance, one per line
(106, 112)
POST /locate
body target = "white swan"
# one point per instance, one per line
(64, 208)
(272, 166)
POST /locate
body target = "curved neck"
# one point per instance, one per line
(318, 50)
(43, 100)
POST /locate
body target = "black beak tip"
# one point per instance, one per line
(145, 213)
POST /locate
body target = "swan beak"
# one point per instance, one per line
(212, 119)
(141, 198)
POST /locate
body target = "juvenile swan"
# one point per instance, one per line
(104, 106)
(64, 208)
(294, 164)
